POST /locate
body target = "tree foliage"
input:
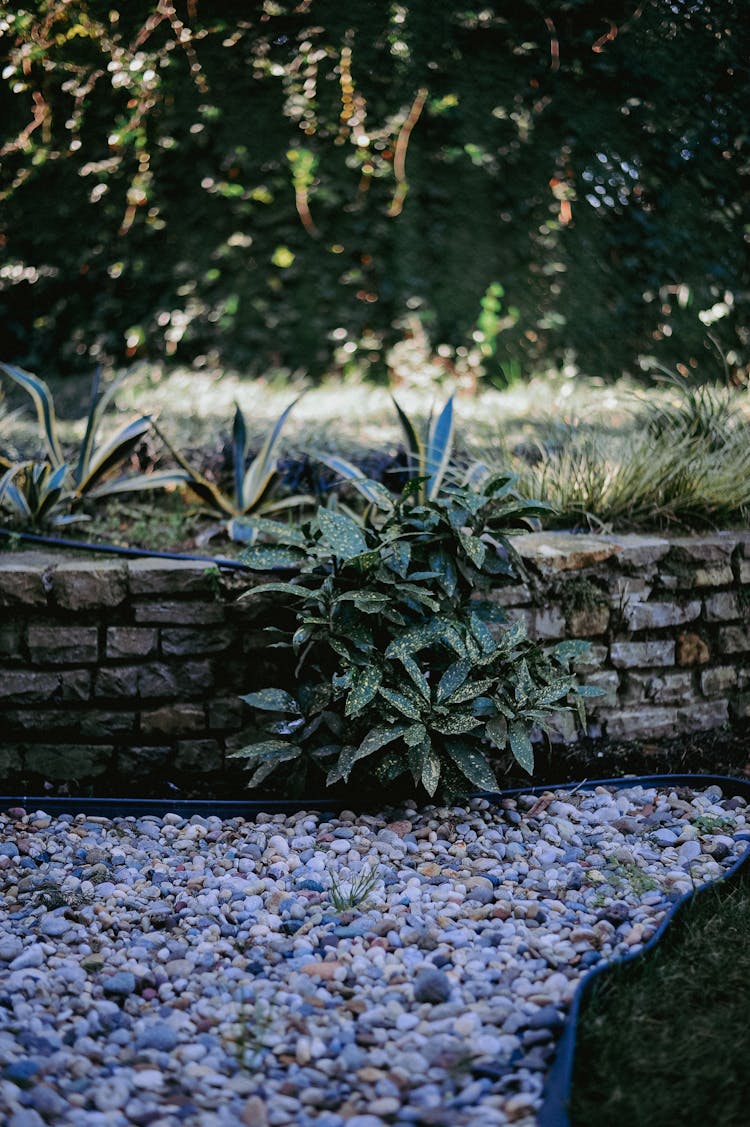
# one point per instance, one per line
(302, 183)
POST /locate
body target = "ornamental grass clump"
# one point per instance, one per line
(402, 666)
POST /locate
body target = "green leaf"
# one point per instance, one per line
(588, 691)
(473, 546)
(453, 679)
(520, 745)
(281, 533)
(431, 772)
(401, 703)
(417, 676)
(411, 641)
(456, 724)
(263, 466)
(442, 564)
(373, 741)
(414, 735)
(439, 447)
(369, 602)
(272, 700)
(277, 589)
(556, 690)
(496, 731)
(364, 689)
(345, 538)
(45, 408)
(266, 751)
(471, 691)
(524, 682)
(472, 764)
(482, 634)
(372, 491)
(447, 633)
(397, 557)
(264, 557)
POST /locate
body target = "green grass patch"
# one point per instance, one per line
(663, 1040)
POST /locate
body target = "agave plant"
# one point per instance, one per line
(90, 477)
(35, 494)
(252, 483)
(428, 459)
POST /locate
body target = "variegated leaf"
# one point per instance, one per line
(401, 703)
(266, 557)
(364, 689)
(473, 547)
(414, 735)
(520, 745)
(472, 764)
(272, 700)
(411, 641)
(417, 676)
(266, 751)
(442, 564)
(452, 679)
(345, 538)
(496, 731)
(456, 724)
(431, 772)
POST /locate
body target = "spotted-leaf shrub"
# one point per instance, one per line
(401, 664)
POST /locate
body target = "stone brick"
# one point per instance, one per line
(704, 549)
(625, 589)
(743, 677)
(106, 724)
(75, 684)
(718, 576)
(43, 720)
(657, 616)
(225, 714)
(718, 680)
(593, 660)
(541, 623)
(23, 686)
(723, 607)
(741, 706)
(642, 723)
(22, 580)
(512, 596)
(743, 571)
(185, 613)
(155, 680)
(563, 728)
(639, 551)
(170, 577)
(665, 688)
(734, 639)
(68, 762)
(121, 681)
(563, 551)
(609, 682)
(10, 761)
(198, 755)
(588, 622)
(134, 762)
(631, 655)
(196, 678)
(86, 586)
(173, 720)
(691, 649)
(186, 641)
(67, 645)
(131, 641)
(703, 716)
(10, 640)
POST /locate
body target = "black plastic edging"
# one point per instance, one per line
(557, 1088)
(132, 553)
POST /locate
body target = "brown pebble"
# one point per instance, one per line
(254, 1113)
(321, 970)
(399, 828)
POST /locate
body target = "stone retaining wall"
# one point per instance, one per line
(116, 674)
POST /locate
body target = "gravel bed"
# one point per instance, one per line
(166, 971)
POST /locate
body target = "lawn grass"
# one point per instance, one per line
(664, 1040)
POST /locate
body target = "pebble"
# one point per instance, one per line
(204, 978)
